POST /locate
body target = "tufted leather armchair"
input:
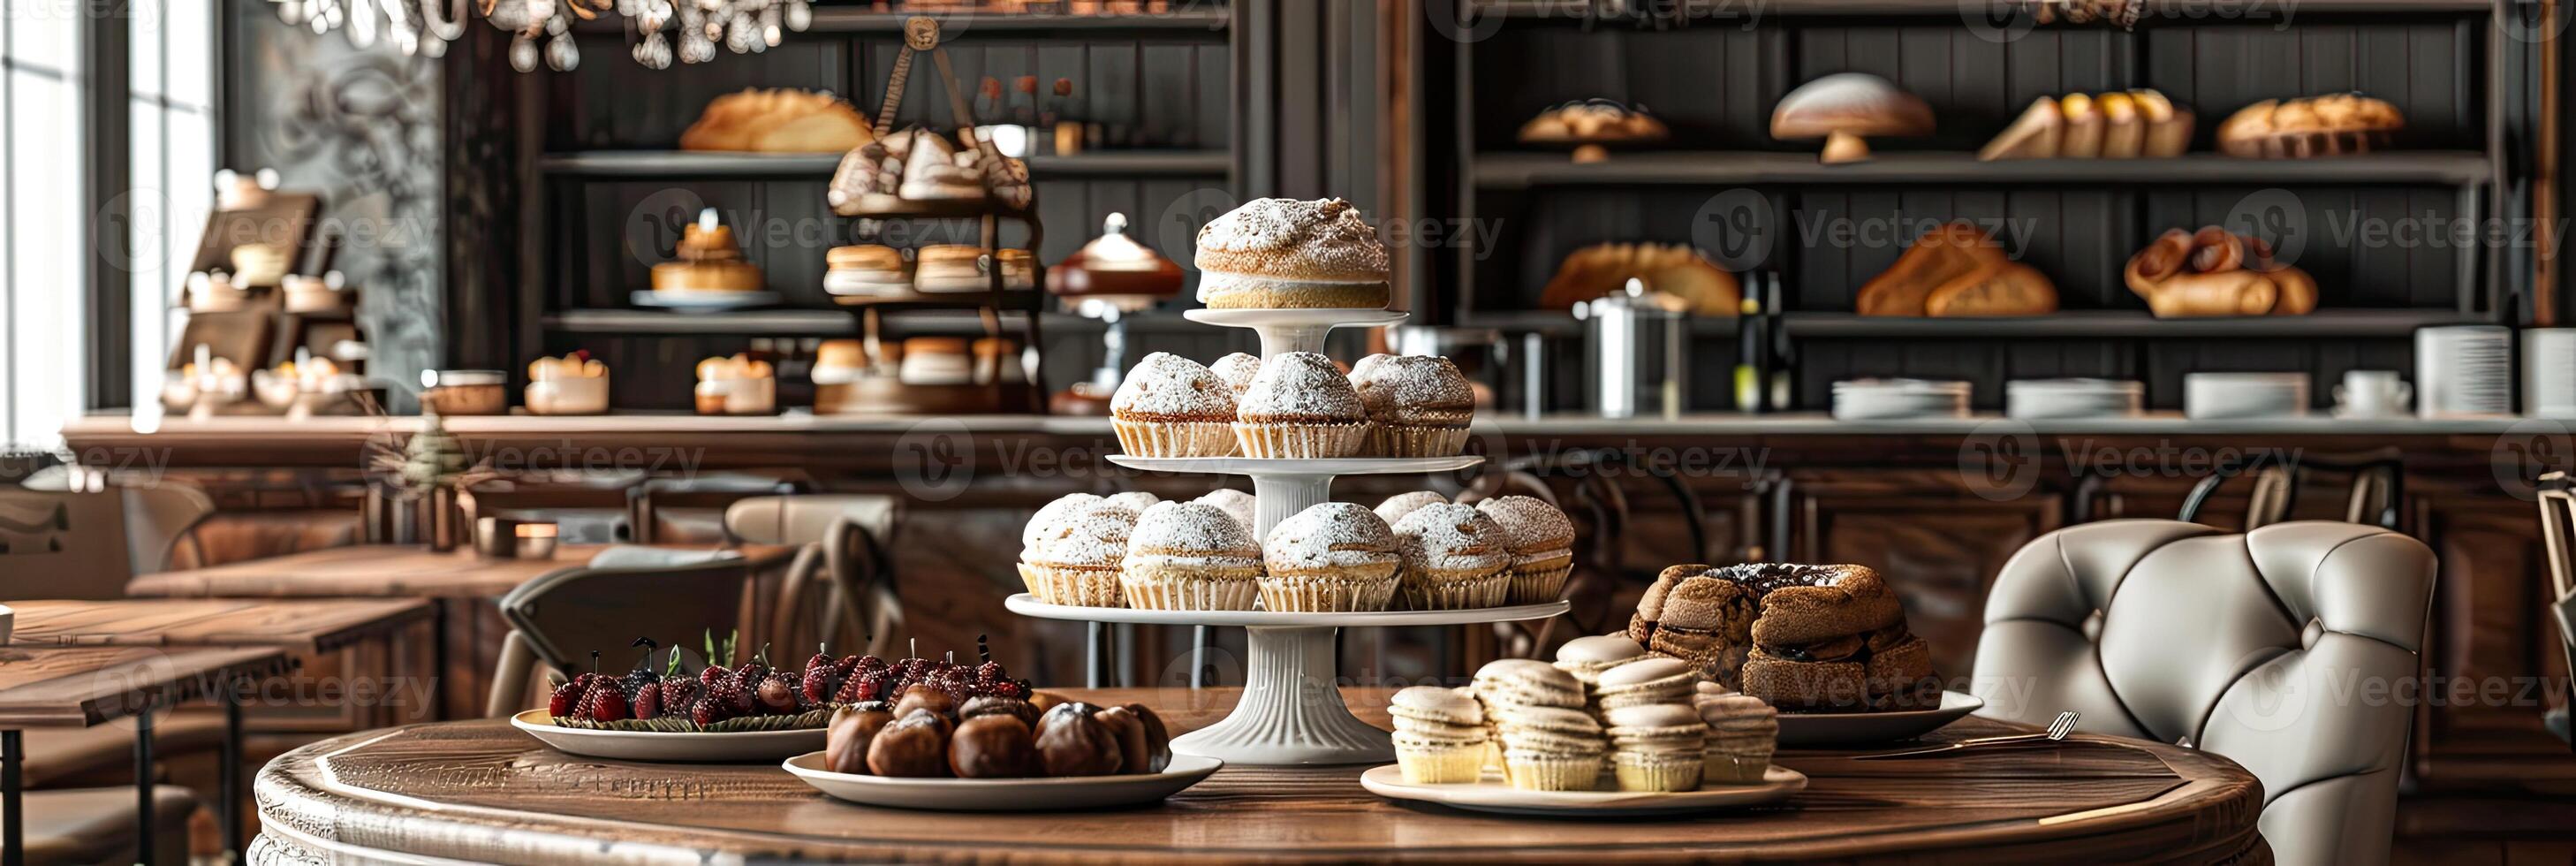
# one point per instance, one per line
(2289, 649)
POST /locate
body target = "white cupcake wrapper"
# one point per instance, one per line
(1553, 773)
(1302, 441)
(1446, 594)
(1656, 771)
(1174, 591)
(1078, 587)
(1327, 595)
(1539, 585)
(1175, 438)
(1386, 440)
(1426, 764)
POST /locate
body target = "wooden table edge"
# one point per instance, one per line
(254, 663)
(2234, 795)
(402, 611)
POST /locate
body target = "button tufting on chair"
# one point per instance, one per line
(2277, 648)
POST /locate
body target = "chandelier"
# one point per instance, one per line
(657, 31)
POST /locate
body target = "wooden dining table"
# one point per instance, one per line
(482, 791)
(75, 687)
(467, 625)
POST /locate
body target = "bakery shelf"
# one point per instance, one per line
(674, 164)
(752, 322)
(2178, 11)
(954, 23)
(1505, 170)
(2113, 324)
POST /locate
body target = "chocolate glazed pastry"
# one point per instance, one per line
(845, 748)
(916, 746)
(993, 746)
(1158, 741)
(988, 705)
(1072, 743)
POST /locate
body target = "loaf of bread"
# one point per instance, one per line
(2215, 272)
(777, 121)
(2341, 123)
(1957, 270)
(2116, 125)
(1679, 271)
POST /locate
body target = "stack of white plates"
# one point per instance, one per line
(1864, 399)
(2244, 395)
(2073, 398)
(2549, 372)
(2464, 370)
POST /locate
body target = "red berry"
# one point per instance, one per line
(607, 703)
(567, 696)
(709, 710)
(712, 673)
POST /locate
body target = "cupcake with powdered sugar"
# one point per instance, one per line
(1301, 406)
(1283, 253)
(1075, 558)
(1236, 504)
(1334, 556)
(1170, 406)
(1237, 370)
(1542, 542)
(1418, 406)
(1396, 507)
(1190, 556)
(1455, 557)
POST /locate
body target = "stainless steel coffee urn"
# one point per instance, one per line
(1638, 342)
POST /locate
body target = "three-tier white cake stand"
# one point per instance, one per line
(1291, 711)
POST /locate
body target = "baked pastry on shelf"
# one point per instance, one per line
(777, 121)
(2330, 125)
(1846, 107)
(866, 269)
(2215, 272)
(2115, 125)
(1957, 269)
(575, 384)
(1592, 124)
(1828, 638)
(1680, 271)
(708, 261)
(739, 385)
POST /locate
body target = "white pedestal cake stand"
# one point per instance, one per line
(1291, 711)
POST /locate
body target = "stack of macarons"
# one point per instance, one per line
(1548, 742)
(1657, 747)
(1587, 657)
(1743, 731)
(1440, 736)
(1654, 680)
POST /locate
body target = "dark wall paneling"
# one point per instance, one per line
(1713, 86)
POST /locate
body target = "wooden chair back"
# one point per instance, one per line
(564, 615)
(2557, 514)
(63, 545)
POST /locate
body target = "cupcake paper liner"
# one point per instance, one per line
(1302, 441)
(1724, 768)
(1441, 764)
(1175, 438)
(1552, 772)
(1401, 440)
(1658, 771)
(1444, 593)
(1313, 594)
(1079, 586)
(1540, 585)
(1204, 587)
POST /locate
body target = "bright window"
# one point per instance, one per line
(43, 233)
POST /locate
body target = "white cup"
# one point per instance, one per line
(2373, 392)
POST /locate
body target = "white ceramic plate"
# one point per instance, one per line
(1004, 795)
(1494, 795)
(745, 746)
(1335, 317)
(1304, 466)
(1844, 729)
(1025, 604)
(687, 300)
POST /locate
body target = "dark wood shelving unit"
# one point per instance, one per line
(711, 164)
(1523, 170)
(1712, 71)
(830, 19)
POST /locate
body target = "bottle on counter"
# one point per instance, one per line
(1777, 360)
(1752, 353)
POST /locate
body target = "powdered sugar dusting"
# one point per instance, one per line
(1329, 231)
(1237, 370)
(1235, 503)
(1534, 525)
(1133, 500)
(1095, 535)
(1389, 383)
(1452, 537)
(1168, 386)
(1052, 517)
(1190, 529)
(1329, 534)
(1396, 507)
(1301, 386)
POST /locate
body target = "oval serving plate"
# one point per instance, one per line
(1813, 730)
(1494, 795)
(736, 747)
(1004, 795)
